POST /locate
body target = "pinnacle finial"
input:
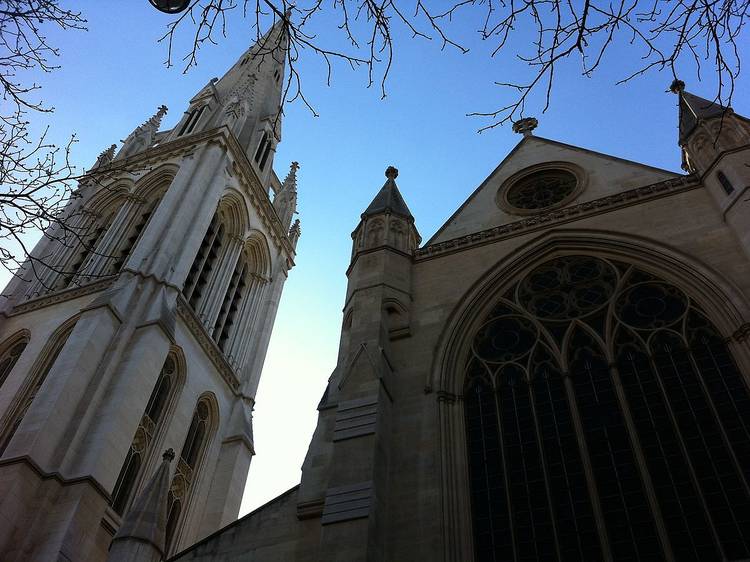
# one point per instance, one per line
(291, 178)
(677, 86)
(391, 172)
(168, 455)
(525, 126)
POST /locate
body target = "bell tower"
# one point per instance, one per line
(148, 329)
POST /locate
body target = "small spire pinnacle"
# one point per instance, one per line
(294, 233)
(525, 126)
(141, 535)
(154, 121)
(291, 178)
(677, 86)
(391, 172)
(104, 158)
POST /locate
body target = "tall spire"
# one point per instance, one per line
(142, 535)
(247, 99)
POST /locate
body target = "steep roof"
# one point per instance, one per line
(389, 198)
(692, 109)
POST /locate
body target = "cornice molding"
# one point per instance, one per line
(560, 216)
(196, 328)
(61, 296)
(59, 478)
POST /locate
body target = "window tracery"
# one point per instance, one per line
(148, 428)
(32, 389)
(541, 189)
(559, 435)
(9, 357)
(188, 464)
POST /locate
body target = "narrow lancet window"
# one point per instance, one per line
(188, 464)
(9, 358)
(31, 391)
(148, 428)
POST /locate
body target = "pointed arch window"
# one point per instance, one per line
(30, 392)
(264, 142)
(148, 429)
(192, 120)
(188, 465)
(653, 444)
(204, 262)
(9, 357)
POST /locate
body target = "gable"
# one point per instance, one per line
(603, 175)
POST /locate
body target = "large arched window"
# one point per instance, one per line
(596, 392)
(31, 389)
(150, 425)
(188, 464)
(9, 354)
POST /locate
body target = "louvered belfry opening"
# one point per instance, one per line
(204, 262)
(598, 392)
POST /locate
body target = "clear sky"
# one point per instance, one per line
(112, 78)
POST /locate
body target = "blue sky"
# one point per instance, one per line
(112, 78)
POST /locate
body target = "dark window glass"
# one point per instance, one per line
(725, 183)
(674, 397)
(9, 359)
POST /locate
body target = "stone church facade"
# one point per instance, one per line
(559, 373)
(144, 327)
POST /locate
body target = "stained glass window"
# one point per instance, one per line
(654, 442)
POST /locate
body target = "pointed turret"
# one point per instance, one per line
(715, 144)
(389, 199)
(142, 535)
(247, 100)
(387, 220)
(693, 109)
(143, 136)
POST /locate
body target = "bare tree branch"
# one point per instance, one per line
(660, 34)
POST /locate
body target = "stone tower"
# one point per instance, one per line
(148, 330)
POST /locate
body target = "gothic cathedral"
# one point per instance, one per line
(143, 326)
(559, 373)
